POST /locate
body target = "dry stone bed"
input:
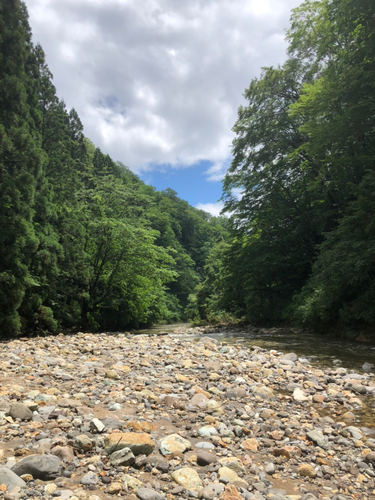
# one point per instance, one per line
(101, 416)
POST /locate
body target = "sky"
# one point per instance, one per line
(157, 83)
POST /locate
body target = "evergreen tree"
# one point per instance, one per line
(21, 164)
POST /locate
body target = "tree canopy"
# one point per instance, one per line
(299, 189)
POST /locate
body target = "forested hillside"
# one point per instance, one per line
(84, 244)
(301, 187)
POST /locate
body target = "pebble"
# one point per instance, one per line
(93, 416)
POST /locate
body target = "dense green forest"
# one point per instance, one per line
(301, 188)
(85, 244)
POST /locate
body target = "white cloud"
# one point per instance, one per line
(211, 208)
(217, 171)
(159, 81)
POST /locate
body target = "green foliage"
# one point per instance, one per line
(303, 159)
(341, 289)
(83, 242)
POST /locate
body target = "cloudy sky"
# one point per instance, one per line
(157, 83)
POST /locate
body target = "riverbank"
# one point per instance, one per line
(93, 416)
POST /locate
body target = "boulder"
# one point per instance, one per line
(44, 467)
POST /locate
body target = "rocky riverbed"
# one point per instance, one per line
(98, 416)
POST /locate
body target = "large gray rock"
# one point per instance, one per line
(44, 467)
(10, 479)
(19, 410)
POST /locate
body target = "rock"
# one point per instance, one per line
(10, 479)
(83, 442)
(177, 490)
(287, 362)
(112, 374)
(97, 426)
(21, 411)
(174, 443)
(148, 494)
(291, 356)
(370, 458)
(188, 478)
(306, 470)
(299, 395)
(355, 433)
(63, 495)
(233, 463)
(115, 407)
(204, 446)
(90, 479)
(199, 400)
(139, 444)
(44, 467)
(158, 462)
(64, 452)
(231, 493)
(250, 444)
(287, 452)
(318, 438)
(114, 488)
(212, 490)
(236, 393)
(367, 367)
(270, 469)
(131, 482)
(207, 431)
(263, 391)
(206, 458)
(111, 423)
(231, 475)
(122, 457)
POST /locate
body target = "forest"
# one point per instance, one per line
(86, 245)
